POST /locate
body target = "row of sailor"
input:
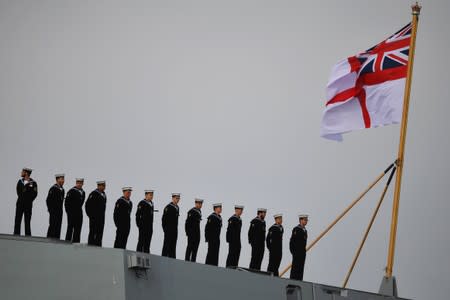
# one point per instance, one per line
(95, 209)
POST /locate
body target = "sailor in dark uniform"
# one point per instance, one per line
(274, 243)
(26, 193)
(297, 246)
(122, 219)
(212, 235)
(74, 202)
(170, 226)
(234, 237)
(95, 209)
(257, 238)
(144, 221)
(55, 201)
(192, 228)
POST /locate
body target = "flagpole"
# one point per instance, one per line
(401, 148)
(369, 227)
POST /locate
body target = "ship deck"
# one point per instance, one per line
(39, 268)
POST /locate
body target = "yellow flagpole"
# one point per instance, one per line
(369, 227)
(401, 148)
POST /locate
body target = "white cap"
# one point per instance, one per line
(198, 200)
(239, 207)
(277, 216)
(59, 175)
(127, 188)
(100, 182)
(217, 205)
(176, 195)
(148, 191)
(262, 210)
(79, 179)
(303, 216)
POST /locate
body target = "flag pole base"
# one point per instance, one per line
(388, 286)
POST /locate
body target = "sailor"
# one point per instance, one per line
(212, 235)
(74, 202)
(274, 243)
(122, 219)
(192, 228)
(55, 201)
(297, 246)
(144, 221)
(256, 238)
(95, 209)
(170, 226)
(234, 237)
(26, 193)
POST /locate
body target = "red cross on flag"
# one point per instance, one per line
(366, 90)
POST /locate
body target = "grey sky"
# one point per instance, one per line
(223, 100)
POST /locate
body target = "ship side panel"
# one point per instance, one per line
(170, 279)
(33, 268)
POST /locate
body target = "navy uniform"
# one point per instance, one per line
(144, 221)
(55, 201)
(170, 226)
(192, 229)
(212, 236)
(74, 202)
(122, 219)
(297, 246)
(95, 209)
(27, 191)
(274, 243)
(234, 238)
(256, 238)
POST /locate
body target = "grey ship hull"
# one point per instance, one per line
(38, 268)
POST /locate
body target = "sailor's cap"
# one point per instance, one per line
(60, 175)
(262, 210)
(277, 216)
(79, 179)
(127, 188)
(217, 205)
(149, 191)
(303, 216)
(239, 207)
(197, 200)
(101, 182)
(29, 170)
(176, 195)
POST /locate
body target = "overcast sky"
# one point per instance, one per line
(223, 100)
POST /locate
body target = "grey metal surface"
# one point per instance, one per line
(33, 268)
(388, 286)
